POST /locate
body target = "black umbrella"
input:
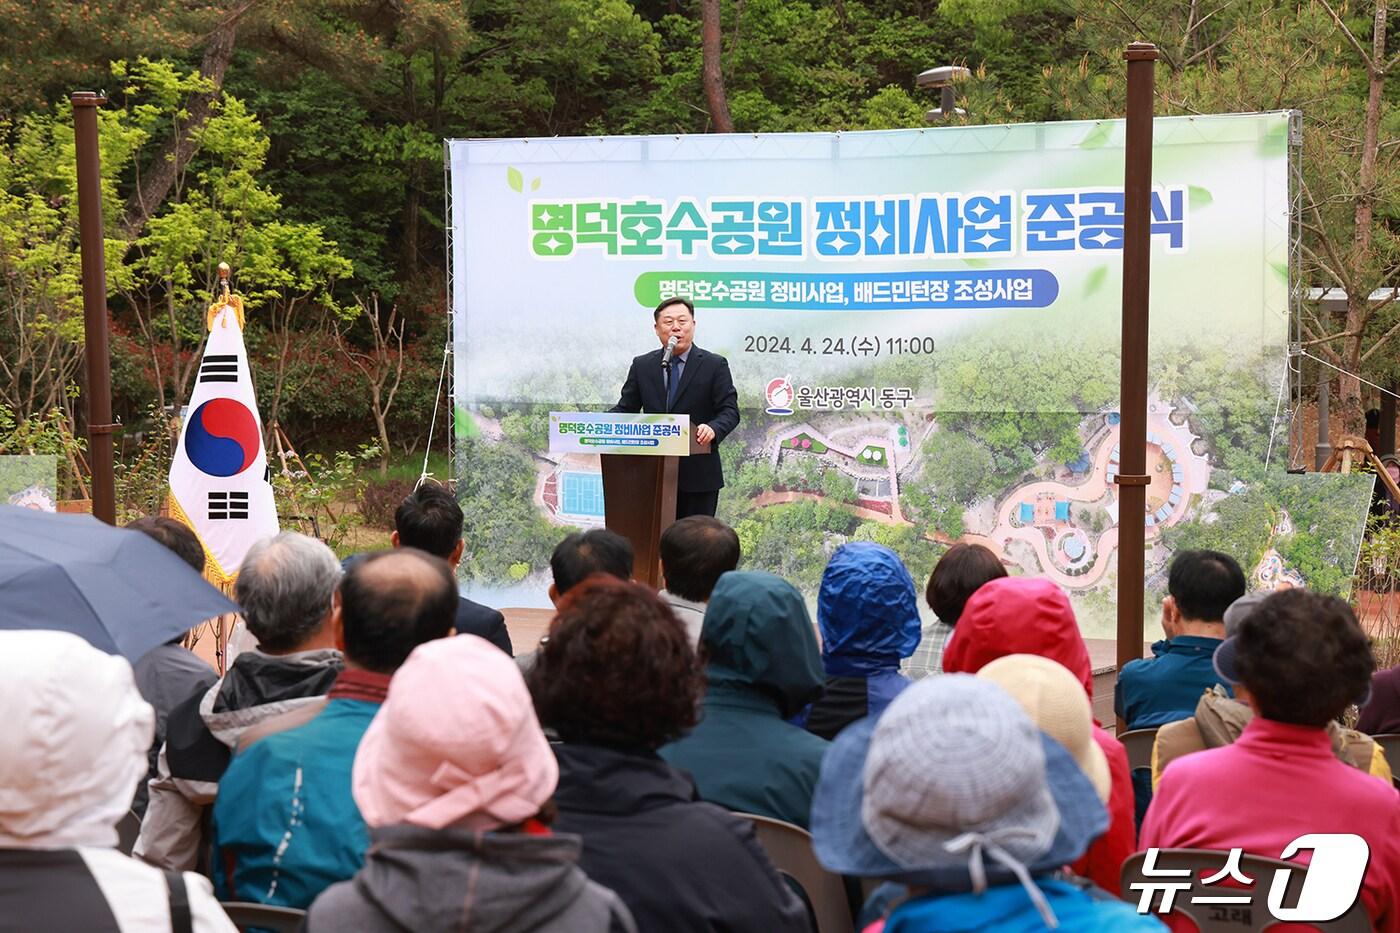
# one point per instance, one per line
(121, 590)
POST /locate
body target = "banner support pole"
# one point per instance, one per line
(91, 245)
(1137, 233)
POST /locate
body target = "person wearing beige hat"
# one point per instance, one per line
(1055, 702)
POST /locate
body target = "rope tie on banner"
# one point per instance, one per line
(437, 402)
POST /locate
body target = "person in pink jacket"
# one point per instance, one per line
(1299, 659)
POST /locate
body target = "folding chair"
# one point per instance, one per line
(1390, 747)
(1138, 743)
(790, 848)
(1250, 917)
(247, 916)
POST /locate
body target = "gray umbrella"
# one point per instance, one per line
(121, 590)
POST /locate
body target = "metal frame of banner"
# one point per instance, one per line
(447, 377)
(1297, 292)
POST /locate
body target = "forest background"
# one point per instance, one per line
(301, 142)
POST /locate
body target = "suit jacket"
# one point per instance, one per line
(476, 619)
(706, 393)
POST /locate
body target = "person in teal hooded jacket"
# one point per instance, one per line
(868, 611)
(763, 668)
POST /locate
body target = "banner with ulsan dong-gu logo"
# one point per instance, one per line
(218, 477)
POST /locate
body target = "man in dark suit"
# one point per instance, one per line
(431, 520)
(697, 384)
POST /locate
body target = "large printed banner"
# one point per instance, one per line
(923, 326)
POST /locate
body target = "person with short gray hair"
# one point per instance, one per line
(286, 590)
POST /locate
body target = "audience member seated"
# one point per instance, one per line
(430, 520)
(1054, 700)
(616, 680)
(454, 779)
(695, 551)
(1201, 585)
(1219, 720)
(284, 589)
(585, 553)
(1298, 659)
(957, 575)
(171, 673)
(763, 667)
(868, 611)
(956, 794)
(285, 824)
(1023, 615)
(70, 758)
(1381, 714)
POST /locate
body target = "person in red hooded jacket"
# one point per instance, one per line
(1023, 615)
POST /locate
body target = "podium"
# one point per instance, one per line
(641, 459)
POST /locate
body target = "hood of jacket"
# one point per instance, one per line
(258, 686)
(868, 610)
(757, 633)
(1018, 615)
(452, 879)
(597, 779)
(75, 743)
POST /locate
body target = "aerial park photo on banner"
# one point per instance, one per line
(922, 327)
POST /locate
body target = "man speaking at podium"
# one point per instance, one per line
(684, 379)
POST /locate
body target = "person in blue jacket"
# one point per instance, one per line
(868, 612)
(762, 667)
(285, 824)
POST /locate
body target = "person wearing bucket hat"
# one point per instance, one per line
(617, 680)
(1027, 615)
(868, 613)
(454, 778)
(955, 793)
(1300, 658)
(763, 666)
(1219, 720)
(1053, 699)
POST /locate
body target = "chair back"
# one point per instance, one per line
(790, 849)
(128, 829)
(1189, 868)
(1138, 743)
(249, 916)
(1390, 747)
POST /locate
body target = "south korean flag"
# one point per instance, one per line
(218, 478)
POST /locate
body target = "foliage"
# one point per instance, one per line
(380, 498)
(316, 500)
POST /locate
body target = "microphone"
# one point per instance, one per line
(670, 349)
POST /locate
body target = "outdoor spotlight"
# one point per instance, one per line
(943, 79)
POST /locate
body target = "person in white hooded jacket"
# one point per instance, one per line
(72, 748)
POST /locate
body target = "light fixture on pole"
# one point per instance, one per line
(943, 79)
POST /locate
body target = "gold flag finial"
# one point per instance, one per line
(226, 298)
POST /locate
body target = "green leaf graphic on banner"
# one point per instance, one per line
(1097, 136)
(976, 263)
(515, 179)
(1094, 280)
(466, 424)
(1275, 141)
(1200, 197)
(535, 185)
(1281, 270)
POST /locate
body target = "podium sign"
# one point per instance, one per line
(572, 432)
